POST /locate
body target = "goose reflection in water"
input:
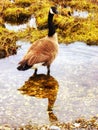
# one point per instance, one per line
(42, 86)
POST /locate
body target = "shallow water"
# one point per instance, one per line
(76, 71)
(80, 14)
(31, 23)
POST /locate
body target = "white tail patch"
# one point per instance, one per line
(37, 65)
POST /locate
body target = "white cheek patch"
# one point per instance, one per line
(51, 11)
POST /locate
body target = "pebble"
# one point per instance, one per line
(77, 125)
(54, 128)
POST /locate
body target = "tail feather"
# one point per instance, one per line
(23, 67)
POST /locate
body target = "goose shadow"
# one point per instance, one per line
(42, 86)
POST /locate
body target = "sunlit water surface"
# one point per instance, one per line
(76, 71)
(31, 23)
(81, 14)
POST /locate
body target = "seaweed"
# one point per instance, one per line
(16, 15)
(23, 3)
(7, 44)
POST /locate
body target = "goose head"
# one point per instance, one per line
(53, 10)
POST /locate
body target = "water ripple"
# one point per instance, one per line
(75, 69)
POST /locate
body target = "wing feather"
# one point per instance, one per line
(42, 50)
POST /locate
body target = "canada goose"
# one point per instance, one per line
(42, 51)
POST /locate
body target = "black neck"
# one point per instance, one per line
(51, 25)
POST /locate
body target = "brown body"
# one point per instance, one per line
(42, 51)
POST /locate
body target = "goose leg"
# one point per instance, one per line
(35, 72)
(48, 70)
